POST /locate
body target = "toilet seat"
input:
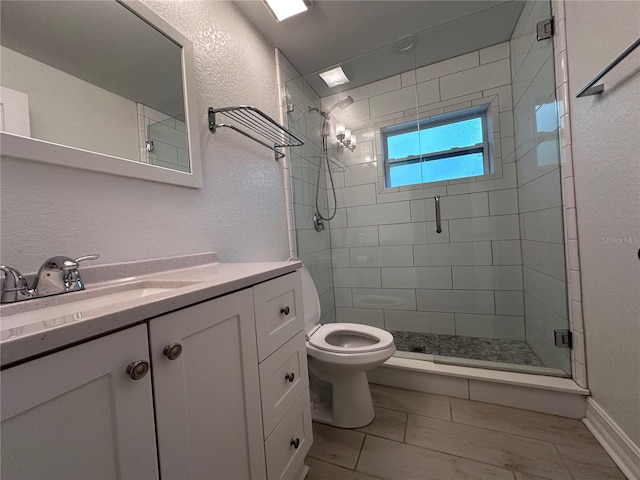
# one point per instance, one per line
(382, 339)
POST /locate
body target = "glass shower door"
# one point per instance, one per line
(487, 287)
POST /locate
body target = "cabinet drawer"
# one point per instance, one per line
(284, 461)
(283, 377)
(279, 312)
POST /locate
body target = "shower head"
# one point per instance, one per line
(342, 104)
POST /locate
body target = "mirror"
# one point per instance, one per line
(98, 85)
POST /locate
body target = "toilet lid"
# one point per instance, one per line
(319, 338)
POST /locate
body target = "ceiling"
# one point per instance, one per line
(359, 34)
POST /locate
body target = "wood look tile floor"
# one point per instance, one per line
(418, 436)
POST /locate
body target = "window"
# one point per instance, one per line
(443, 147)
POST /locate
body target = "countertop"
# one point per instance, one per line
(25, 332)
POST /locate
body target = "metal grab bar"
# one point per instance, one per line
(590, 89)
(438, 219)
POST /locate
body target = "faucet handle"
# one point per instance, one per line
(84, 258)
(73, 275)
(14, 286)
(59, 262)
(13, 279)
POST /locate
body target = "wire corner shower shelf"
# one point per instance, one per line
(269, 132)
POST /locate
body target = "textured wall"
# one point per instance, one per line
(539, 192)
(239, 213)
(605, 132)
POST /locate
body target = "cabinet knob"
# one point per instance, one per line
(285, 310)
(290, 376)
(137, 370)
(172, 351)
(295, 443)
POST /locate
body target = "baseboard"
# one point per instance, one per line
(624, 452)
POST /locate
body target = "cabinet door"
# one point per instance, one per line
(77, 414)
(208, 399)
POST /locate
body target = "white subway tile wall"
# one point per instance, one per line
(401, 299)
(449, 254)
(509, 303)
(506, 252)
(391, 268)
(169, 137)
(458, 301)
(300, 171)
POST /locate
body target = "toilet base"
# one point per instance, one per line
(321, 413)
(350, 404)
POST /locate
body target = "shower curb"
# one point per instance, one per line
(541, 393)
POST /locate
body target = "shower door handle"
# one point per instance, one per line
(436, 198)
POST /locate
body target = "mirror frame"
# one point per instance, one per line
(26, 148)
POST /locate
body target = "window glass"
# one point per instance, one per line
(444, 147)
(436, 139)
(410, 173)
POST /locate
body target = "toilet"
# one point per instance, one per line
(339, 356)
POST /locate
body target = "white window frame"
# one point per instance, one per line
(480, 111)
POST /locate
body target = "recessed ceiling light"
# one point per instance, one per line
(334, 77)
(282, 9)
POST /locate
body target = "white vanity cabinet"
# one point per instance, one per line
(207, 400)
(210, 406)
(77, 414)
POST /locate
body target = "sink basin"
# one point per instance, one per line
(71, 307)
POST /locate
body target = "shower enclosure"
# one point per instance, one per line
(448, 228)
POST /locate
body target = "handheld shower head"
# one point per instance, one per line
(342, 104)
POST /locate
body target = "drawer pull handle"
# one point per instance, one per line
(295, 443)
(137, 370)
(172, 351)
(285, 310)
(290, 377)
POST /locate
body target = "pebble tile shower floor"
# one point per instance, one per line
(418, 436)
(476, 348)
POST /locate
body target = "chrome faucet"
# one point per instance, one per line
(57, 275)
(15, 287)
